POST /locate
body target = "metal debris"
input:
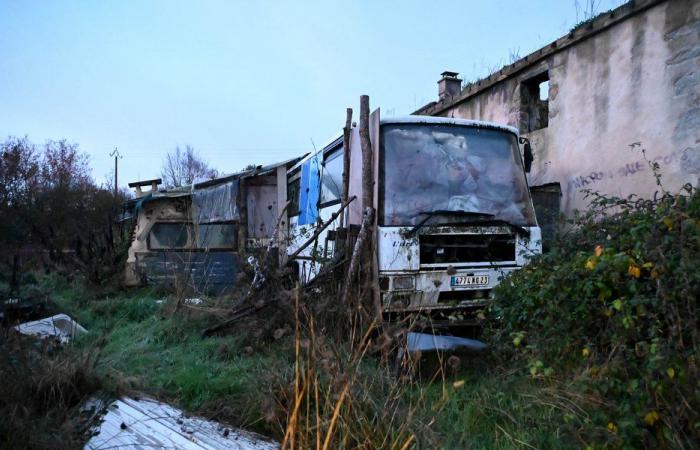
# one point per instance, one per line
(428, 342)
(60, 327)
(148, 424)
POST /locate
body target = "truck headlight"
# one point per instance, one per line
(404, 283)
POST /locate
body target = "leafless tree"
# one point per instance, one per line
(182, 167)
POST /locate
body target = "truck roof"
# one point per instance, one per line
(447, 121)
(412, 119)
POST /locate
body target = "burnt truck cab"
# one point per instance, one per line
(454, 212)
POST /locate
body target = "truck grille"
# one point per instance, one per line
(466, 248)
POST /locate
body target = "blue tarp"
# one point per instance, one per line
(310, 188)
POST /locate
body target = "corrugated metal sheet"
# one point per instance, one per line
(148, 424)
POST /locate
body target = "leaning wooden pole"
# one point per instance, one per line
(320, 229)
(367, 220)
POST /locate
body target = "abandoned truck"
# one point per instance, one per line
(453, 215)
(454, 212)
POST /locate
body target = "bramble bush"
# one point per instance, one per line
(611, 314)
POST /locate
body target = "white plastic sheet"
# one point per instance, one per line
(60, 327)
(216, 204)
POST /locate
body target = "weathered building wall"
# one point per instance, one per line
(628, 81)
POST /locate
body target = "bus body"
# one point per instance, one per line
(453, 210)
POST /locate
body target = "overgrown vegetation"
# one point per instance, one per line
(610, 316)
(594, 345)
(42, 389)
(54, 215)
(139, 346)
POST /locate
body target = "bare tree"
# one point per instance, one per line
(183, 167)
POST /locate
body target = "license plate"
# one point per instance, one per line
(478, 280)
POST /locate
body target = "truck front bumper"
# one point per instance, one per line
(440, 289)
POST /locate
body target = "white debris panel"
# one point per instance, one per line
(425, 342)
(60, 327)
(149, 424)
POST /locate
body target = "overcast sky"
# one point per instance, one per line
(242, 82)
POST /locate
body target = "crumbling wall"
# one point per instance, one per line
(635, 85)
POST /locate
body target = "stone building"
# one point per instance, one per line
(591, 101)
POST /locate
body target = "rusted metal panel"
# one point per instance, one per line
(207, 272)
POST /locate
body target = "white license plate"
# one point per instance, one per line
(478, 280)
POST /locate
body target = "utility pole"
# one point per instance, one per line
(117, 156)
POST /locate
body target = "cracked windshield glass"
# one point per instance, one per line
(428, 170)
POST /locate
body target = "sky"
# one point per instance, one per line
(243, 82)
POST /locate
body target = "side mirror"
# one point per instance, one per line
(528, 154)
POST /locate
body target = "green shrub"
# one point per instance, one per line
(613, 311)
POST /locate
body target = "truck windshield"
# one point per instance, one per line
(443, 168)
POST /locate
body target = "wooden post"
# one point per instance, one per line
(365, 232)
(367, 178)
(346, 161)
(283, 229)
(241, 201)
(277, 238)
(370, 278)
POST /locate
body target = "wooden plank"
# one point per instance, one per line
(283, 223)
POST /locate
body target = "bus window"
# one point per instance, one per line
(168, 236)
(332, 178)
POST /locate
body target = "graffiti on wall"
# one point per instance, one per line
(588, 180)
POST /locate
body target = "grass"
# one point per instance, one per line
(143, 348)
(499, 411)
(42, 389)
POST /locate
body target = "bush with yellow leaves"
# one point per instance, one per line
(613, 313)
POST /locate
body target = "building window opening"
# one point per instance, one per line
(544, 91)
(534, 104)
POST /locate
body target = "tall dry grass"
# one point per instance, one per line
(345, 393)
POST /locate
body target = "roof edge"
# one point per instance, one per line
(585, 31)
